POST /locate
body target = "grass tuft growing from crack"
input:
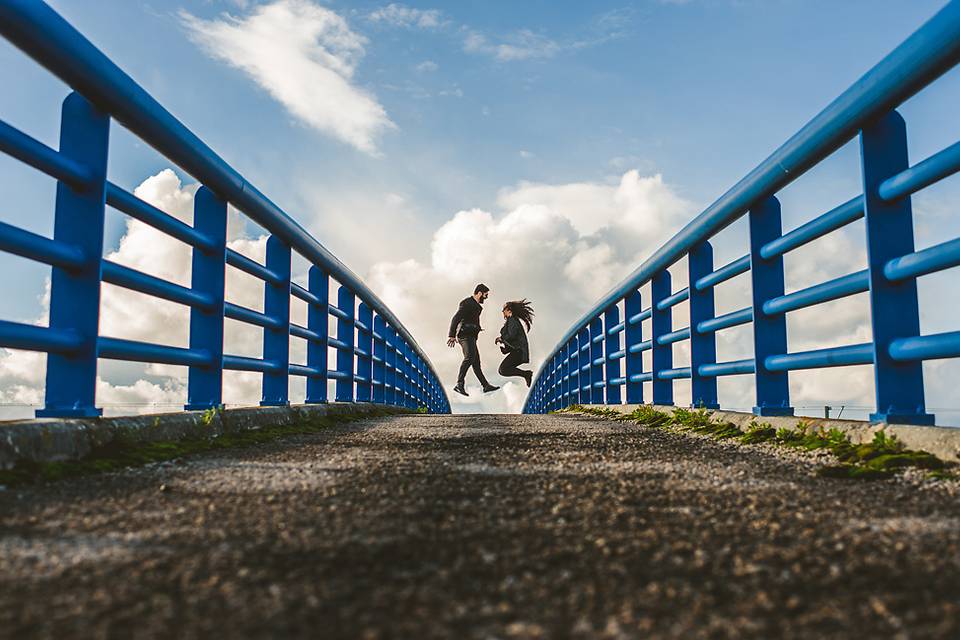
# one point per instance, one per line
(881, 458)
(124, 450)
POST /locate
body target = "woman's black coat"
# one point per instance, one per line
(515, 338)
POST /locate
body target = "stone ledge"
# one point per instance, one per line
(943, 442)
(56, 439)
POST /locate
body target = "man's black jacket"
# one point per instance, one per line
(466, 321)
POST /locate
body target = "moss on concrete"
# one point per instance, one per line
(125, 450)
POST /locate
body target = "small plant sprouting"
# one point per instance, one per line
(206, 418)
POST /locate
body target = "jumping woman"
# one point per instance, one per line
(513, 339)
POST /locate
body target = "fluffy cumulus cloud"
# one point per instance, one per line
(305, 56)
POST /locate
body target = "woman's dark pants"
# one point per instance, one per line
(509, 365)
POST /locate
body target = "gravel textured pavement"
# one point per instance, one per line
(481, 527)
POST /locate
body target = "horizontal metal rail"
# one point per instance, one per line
(727, 272)
(849, 211)
(16, 335)
(732, 319)
(941, 345)
(841, 287)
(128, 278)
(122, 200)
(117, 349)
(920, 263)
(252, 267)
(933, 169)
(834, 357)
(734, 368)
(36, 247)
(19, 145)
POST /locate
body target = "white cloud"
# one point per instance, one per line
(427, 66)
(305, 56)
(526, 155)
(400, 15)
(523, 44)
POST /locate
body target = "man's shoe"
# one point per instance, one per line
(459, 389)
(489, 388)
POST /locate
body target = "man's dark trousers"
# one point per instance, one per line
(471, 358)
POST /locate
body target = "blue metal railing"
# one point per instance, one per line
(867, 110)
(377, 358)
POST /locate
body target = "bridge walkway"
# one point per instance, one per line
(480, 526)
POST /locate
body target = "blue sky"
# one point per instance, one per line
(480, 98)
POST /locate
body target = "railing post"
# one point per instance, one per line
(585, 366)
(390, 360)
(408, 371)
(703, 347)
(403, 370)
(548, 387)
(574, 396)
(596, 353)
(364, 344)
(71, 380)
(611, 318)
(893, 306)
(205, 385)
(318, 321)
(379, 351)
(661, 323)
(401, 381)
(769, 332)
(633, 335)
(417, 379)
(557, 382)
(345, 355)
(421, 382)
(276, 341)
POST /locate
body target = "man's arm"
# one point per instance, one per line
(455, 323)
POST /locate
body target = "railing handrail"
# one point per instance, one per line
(920, 59)
(50, 40)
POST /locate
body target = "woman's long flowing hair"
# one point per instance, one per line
(522, 310)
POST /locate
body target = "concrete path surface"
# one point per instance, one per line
(481, 527)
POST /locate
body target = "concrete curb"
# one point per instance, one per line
(943, 442)
(55, 439)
